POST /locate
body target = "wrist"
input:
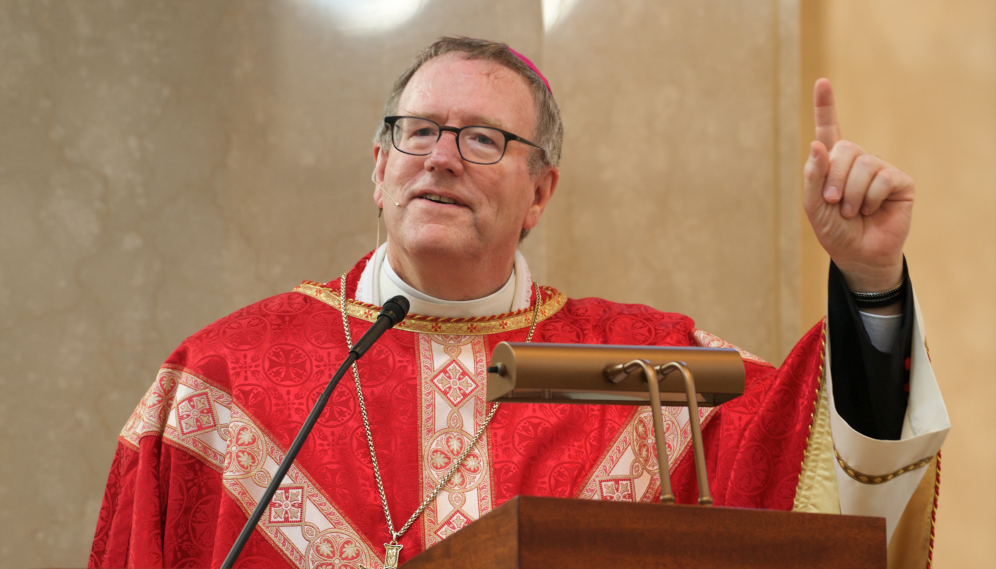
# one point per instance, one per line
(879, 291)
(872, 279)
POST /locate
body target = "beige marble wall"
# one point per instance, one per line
(916, 84)
(680, 183)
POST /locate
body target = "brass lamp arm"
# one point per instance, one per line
(705, 499)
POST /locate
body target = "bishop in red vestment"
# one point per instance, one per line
(204, 442)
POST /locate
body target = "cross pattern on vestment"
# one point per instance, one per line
(616, 490)
(455, 522)
(195, 413)
(287, 505)
(454, 382)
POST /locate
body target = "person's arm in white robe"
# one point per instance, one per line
(924, 423)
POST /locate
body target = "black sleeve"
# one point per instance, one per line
(870, 388)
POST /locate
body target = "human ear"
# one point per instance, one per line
(543, 188)
(380, 164)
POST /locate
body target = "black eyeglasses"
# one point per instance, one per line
(476, 144)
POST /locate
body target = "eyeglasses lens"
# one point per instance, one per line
(415, 136)
(482, 144)
(477, 144)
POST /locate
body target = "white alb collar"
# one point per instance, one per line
(515, 295)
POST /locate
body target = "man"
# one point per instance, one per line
(466, 163)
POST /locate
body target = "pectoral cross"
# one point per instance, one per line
(391, 558)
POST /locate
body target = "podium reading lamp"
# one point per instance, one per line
(622, 375)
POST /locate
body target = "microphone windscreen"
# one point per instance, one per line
(396, 309)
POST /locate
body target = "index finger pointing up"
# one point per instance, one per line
(827, 127)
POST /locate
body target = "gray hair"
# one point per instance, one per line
(549, 133)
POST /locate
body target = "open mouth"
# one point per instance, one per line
(438, 199)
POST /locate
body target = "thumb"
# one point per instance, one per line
(814, 176)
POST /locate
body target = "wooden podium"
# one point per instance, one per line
(528, 532)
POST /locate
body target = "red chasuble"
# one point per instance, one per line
(202, 445)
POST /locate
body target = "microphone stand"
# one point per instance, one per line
(389, 316)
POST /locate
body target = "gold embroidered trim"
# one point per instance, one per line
(623, 480)
(816, 490)
(706, 340)
(302, 523)
(933, 511)
(819, 388)
(551, 302)
(452, 381)
(881, 478)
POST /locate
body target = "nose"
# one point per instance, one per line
(445, 155)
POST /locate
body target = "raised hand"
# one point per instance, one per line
(859, 205)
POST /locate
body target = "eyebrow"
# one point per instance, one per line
(476, 121)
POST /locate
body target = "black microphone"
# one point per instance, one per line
(394, 311)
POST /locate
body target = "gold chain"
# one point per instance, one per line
(366, 425)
